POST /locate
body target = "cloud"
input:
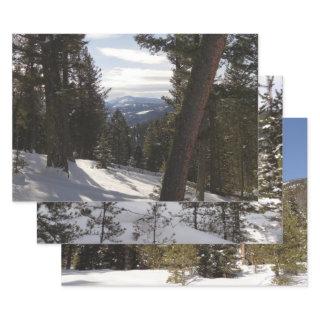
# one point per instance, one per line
(137, 56)
(124, 77)
(137, 81)
(98, 36)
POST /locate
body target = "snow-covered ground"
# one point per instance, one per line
(88, 183)
(264, 228)
(248, 277)
(173, 224)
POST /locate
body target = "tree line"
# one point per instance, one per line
(100, 222)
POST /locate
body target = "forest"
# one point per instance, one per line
(69, 146)
(199, 265)
(159, 223)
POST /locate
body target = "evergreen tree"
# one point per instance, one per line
(104, 223)
(28, 107)
(138, 159)
(119, 139)
(102, 152)
(18, 162)
(58, 100)
(270, 141)
(218, 261)
(152, 224)
(225, 168)
(87, 110)
(193, 106)
(156, 144)
(151, 256)
(289, 258)
(181, 261)
(55, 223)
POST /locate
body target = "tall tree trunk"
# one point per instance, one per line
(56, 116)
(154, 226)
(224, 221)
(201, 177)
(242, 149)
(236, 227)
(69, 257)
(242, 253)
(195, 215)
(103, 222)
(127, 258)
(188, 124)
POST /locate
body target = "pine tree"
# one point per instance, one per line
(138, 159)
(218, 261)
(102, 152)
(151, 256)
(270, 141)
(156, 144)
(87, 112)
(104, 224)
(181, 261)
(289, 258)
(28, 107)
(56, 223)
(58, 100)
(194, 207)
(152, 224)
(225, 168)
(18, 162)
(120, 139)
(190, 117)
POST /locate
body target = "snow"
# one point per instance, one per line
(263, 277)
(144, 112)
(264, 228)
(175, 232)
(88, 183)
(178, 228)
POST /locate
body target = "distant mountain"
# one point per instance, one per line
(139, 109)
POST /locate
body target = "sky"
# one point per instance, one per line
(127, 69)
(294, 148)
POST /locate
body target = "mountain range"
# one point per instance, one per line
(139, 109)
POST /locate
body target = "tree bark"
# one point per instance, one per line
(242, 253)
(188, 124)
(55, 111)
(224, 222)
(201, 177)
(69, 257)
(103, 222)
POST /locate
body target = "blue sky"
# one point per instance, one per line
(127, 69)
(294, 148)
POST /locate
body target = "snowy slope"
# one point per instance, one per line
(87, 183)
(159, 277)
